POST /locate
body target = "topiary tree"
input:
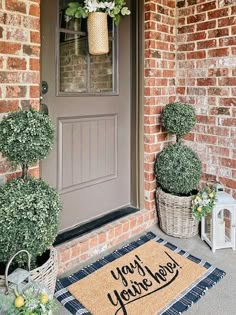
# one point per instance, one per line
(178, 169)
(178, 118)
(28, 218)
(29, 207)
(26, 137)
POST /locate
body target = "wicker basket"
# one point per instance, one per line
(45, 274)
(175, 215)
(98, 33)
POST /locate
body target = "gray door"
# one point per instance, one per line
(88, 99)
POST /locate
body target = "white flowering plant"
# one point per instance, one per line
(33, 301)
(203, 202)
(114, 8)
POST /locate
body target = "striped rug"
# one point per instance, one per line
(148, 276)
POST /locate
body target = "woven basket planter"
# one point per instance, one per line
(98, 33)
(175, 215)
(45, 274)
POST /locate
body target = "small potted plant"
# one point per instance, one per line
(29, 207)
(178, 171)
(97, 12)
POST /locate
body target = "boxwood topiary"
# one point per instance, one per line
(178, 169)
(178, 118)
(28, 218)
(26, 137)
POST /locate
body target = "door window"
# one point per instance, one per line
(79, 72)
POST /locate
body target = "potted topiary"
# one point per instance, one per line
(29, 207)
(178, 171)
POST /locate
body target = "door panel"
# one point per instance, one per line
(90, 160)
(87, 151)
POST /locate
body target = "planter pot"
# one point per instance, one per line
(175, 215)
(45, 274)
(98, 33)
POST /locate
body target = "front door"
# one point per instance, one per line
(89, 101)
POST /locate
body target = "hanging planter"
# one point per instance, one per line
(98, 33)
(97, 12)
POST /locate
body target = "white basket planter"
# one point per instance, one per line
(175, 214)
(45, 274)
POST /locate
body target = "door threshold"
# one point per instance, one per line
(93, 225)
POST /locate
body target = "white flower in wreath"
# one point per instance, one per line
(91, 5)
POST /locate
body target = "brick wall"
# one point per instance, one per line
(159, 84)
(206, 78)
(19, 60)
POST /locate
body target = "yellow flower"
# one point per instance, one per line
(199, 209)
(19, 301)
(211, 195)
(44, 298)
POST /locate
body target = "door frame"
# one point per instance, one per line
(137, 104)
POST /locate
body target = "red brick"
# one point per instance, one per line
(10, 77)
(227, 122)
(227, 81)
(14, 63)
(196, 36)
(218, 33)
(8, 106)
(206, 44)
(218, 13)
(206, 25)
(228, 163)
(228, 41)
(186, 47)
(206, 139)
(196, 54)
(34, 10)
(32, 51)
(16, 6)
(196, 18)
(226, 21)
(34, 64)
(218, 72)
(35, 37)
(206, 82)
(186, 29)
(228, 182)
(221, 52)
(228, 101)
(206, 6)
(218, 131)
(34, 91)
(9, 48)
(16, 91)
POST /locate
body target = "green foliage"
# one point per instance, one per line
(204, 202)
(178, 118)
(28, 217)
(26, 136)
(178, 169)
(115, 9)
(76, 10)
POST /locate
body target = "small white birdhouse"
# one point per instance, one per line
(218, 228)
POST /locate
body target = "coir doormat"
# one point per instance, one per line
(149, 276)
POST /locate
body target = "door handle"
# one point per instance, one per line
(43, 109)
